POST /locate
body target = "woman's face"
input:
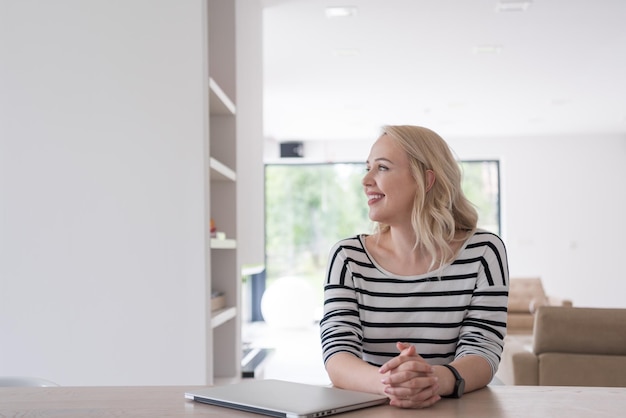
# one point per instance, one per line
(388, 184)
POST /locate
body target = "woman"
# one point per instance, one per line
(416, 310)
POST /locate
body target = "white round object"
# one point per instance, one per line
(289, 302)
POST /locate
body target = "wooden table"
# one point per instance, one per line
(155, 402)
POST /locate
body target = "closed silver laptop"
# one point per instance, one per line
(279, 398)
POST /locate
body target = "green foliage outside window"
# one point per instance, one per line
(309, 207)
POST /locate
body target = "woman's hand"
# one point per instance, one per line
(409, 380)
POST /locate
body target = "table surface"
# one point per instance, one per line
(157, 401)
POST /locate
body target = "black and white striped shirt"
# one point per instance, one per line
(448, 313)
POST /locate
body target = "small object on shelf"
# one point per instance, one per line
(213, 229)
(218, 301)
(215, 233)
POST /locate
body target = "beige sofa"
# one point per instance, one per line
(526, 295)
(570, 347)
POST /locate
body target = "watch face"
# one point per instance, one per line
(461, 388)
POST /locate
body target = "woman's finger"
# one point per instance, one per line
(407, 353)
(412, 399)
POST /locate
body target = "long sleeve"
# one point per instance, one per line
(453, 312)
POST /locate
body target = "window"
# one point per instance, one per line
(309, 207)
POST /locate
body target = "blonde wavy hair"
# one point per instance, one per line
(439, 213)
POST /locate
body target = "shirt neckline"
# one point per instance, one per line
(432, 273)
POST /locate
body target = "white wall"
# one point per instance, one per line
(563, 204)
(250, 168)
(564, 200)
(102, 115)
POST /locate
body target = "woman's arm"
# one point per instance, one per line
(411, 383)
(407, 379)
(475, 370)
(481, 336)
(349, 372)
(483, 330)
(340, 327)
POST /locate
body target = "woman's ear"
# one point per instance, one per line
(430, 179)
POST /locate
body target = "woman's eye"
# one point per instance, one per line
(377, 167)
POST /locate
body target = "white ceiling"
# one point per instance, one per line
(561, 68)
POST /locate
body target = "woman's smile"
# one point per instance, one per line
(373, 198)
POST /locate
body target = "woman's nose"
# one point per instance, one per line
(367, 179)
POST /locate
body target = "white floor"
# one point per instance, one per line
(297, 353)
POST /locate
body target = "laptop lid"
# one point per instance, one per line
(279, 398)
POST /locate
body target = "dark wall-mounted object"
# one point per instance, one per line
(291, 149)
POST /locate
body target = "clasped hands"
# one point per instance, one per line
(410, 382)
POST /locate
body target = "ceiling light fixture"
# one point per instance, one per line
(340, 11)
(513, 5)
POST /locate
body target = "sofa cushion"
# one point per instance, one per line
(557, 369)
(580, 330)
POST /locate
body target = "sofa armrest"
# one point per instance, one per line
(519, 366)
(525, 368)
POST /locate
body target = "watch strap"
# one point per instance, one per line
(458, 380)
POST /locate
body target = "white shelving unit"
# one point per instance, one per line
(220, 172)
(224, 274)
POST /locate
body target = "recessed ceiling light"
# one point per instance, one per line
(343, 11)
(513, 5)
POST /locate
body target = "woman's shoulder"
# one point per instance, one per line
(484, 237)
(355, 242)
(352, 248)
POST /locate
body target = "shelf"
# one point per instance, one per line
(223, 274)
(223, 244)
(250, 269)
(221, 316)
(221, 172)
(220, 103)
